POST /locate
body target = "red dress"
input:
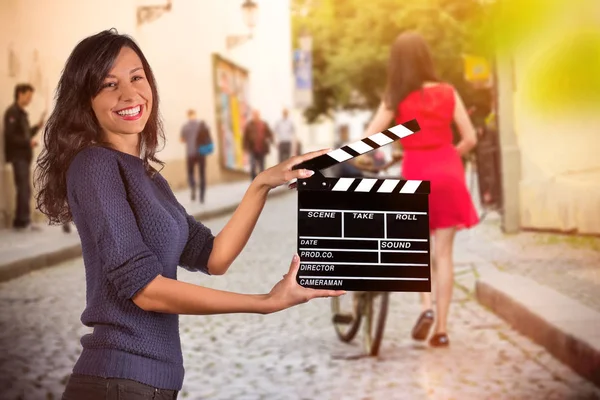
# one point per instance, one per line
(429, 155)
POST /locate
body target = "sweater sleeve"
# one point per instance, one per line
(198, 247)
(98, 201)
(200, 239)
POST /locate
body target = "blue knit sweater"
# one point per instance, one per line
(132, 229)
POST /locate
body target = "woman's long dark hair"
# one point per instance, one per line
(410, 65)
(73, 126)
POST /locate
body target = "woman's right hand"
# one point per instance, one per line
(284, 172)
(288, 293)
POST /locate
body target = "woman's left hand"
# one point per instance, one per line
(283, 172)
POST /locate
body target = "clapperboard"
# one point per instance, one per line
(363, 234)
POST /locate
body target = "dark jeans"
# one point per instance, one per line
(285, 151)
(21, 171)
(192, 161)
(81, 387)
(257, 161)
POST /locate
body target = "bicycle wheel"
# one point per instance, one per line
(375, 308)
(346, 316)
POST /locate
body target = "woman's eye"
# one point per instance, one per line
(109, 84)
(137, 78)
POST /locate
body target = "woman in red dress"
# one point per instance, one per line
(414, 92)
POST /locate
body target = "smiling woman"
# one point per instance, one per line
(106, 73)
(95, 171)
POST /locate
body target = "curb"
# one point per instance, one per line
(26, 265)
(564, 327)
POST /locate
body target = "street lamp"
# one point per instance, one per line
(250, 10)
(147, 14)
(249, 14)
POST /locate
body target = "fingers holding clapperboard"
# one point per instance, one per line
(286, 172)
(287, 292)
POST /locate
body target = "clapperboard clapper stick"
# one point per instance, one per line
(363, 234)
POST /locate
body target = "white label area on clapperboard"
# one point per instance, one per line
(363, 241)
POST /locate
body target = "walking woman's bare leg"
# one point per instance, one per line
(425, 321)
(426, 296)
(443, 246)
(425, 301)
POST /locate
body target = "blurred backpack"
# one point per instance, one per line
(204, 141)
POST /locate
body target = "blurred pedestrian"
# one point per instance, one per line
(20, 140)
(96, 170)
(480, 106)
(349, 168)
(414, 92)
(285, 135)
(205, 147)
(193, 133)
(257, 140)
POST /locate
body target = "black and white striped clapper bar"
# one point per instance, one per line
(363, 234)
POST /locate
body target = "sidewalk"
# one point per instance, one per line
(546, 286)
(22, 252)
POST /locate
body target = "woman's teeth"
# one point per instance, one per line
(129, 111)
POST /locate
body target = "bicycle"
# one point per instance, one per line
(347, 322)
(370, 306)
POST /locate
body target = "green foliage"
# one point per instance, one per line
(352, 38)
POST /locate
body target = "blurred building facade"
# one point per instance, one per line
(181, 44)
(550, 163)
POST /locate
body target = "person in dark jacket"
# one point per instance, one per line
(257, 139)
(19, 137)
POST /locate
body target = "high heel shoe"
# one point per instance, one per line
(423, 325)
(439, 340)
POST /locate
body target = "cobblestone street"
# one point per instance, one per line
(293, 354)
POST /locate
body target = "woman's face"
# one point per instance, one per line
(123, 105)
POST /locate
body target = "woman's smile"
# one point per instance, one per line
(131, 113)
